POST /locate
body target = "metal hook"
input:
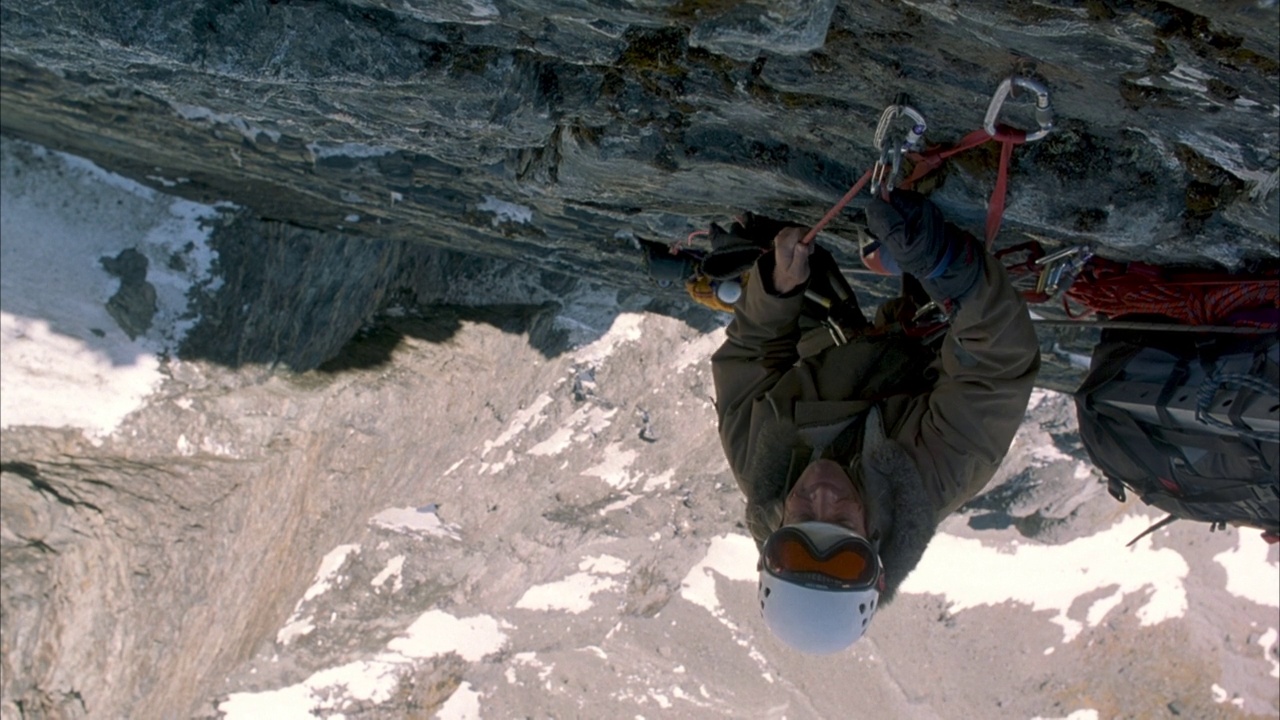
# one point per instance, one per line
(1044, 110)
(885, 172)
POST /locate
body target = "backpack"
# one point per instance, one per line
(1189, 422)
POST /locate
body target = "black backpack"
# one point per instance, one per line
(1190, 422)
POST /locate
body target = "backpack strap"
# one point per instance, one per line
(1172, 384)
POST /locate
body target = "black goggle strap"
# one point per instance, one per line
(810, 578)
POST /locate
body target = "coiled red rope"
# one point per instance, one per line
(1115, 289)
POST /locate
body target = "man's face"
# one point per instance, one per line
(824, 492)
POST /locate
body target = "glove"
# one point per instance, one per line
(735, 250)
(947, 261)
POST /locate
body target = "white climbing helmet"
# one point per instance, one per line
(819, 586)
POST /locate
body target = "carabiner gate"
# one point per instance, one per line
(1044, 110)
(885, 172)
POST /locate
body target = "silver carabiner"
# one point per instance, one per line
(889, 162)
(1044, 110)
(1059, 269)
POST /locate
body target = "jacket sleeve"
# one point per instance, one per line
(759, 348)
(959, 432)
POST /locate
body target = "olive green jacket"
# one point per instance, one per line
(953, 420)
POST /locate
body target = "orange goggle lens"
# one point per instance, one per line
(850, 563)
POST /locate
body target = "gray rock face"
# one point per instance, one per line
(553, 132)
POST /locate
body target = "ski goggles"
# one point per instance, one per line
(849, 563)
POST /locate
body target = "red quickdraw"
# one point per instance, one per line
(883, 180)
(991, 131)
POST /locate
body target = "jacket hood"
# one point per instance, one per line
(899, 512)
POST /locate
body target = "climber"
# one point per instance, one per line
(850, 457)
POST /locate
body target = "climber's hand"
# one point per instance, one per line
(911, 229)
(791, 255)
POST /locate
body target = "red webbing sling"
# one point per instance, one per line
(933, 159)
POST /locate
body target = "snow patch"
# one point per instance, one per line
(325, 694)
(1077, 715)
(730, 556)
(595, 650)
(627, 501)
(327, 690)
(970, 574)
(626, 327)
(437, 633)
(573, 594)
(1250, 574)
(506, 212)
(293, 630)
(392, 572)
(523, 419)
(1220, 695)
(659, 482)
(297, 626)
(415, 521)
(1270, 652)
(699, 351)
(613, 470)
(585, 422)
(329, 568)
(67, 362)
(606, 564)
(463, 704)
